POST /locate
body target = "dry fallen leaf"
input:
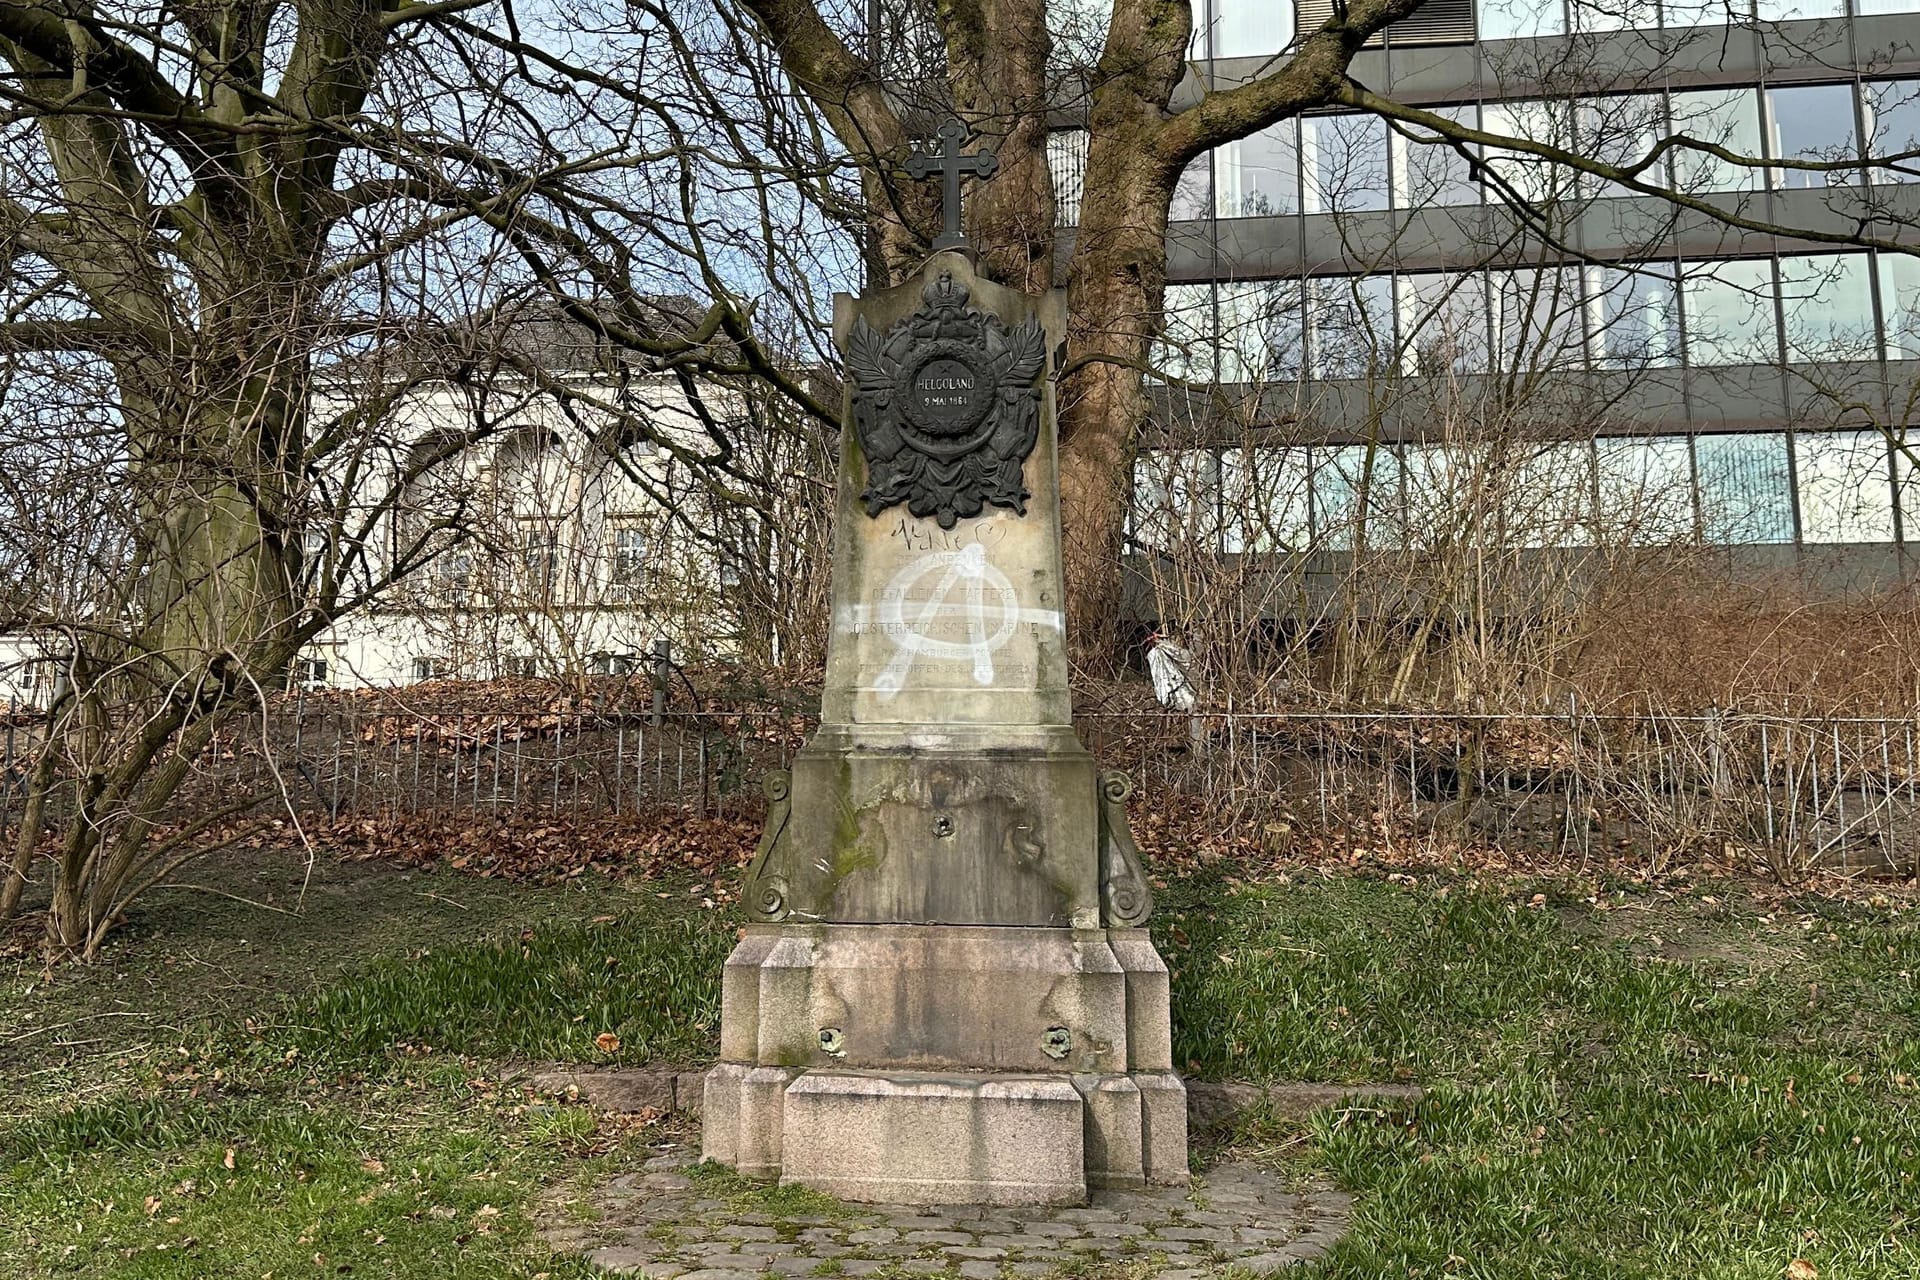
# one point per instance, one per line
(371, 1165)
(607, 1042)
(227, 1159)
(1801, 1269)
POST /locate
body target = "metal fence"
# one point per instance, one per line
(1794, 792)
(1791, 791)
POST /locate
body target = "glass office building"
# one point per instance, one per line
(1366, 298)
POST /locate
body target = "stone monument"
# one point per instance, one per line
(950, 996)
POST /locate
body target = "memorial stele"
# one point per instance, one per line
(949, 995)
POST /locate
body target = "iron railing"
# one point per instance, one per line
(1792, 791)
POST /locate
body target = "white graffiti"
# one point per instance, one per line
(970, 629)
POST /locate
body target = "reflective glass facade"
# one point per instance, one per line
(1829, 488)
(1328, 254)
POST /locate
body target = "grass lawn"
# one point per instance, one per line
(1704, 1084)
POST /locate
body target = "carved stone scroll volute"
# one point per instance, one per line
(767, 892)
(1125, 899)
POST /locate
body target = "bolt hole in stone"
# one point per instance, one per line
(943, 826)
(1056, 1042)
(833, 1041)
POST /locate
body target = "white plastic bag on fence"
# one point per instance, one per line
(1168, 664)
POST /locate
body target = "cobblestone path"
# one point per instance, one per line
(670, 1221)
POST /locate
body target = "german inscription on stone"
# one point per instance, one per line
(947, 406)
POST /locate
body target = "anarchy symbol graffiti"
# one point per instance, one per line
(986, 614)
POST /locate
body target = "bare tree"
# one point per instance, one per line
(207, 207)
(241, 235)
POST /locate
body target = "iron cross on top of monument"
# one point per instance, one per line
(951, 165)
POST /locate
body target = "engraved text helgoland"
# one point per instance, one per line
(947, 606)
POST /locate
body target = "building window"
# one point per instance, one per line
(1900, 300)
(1826, 300)
(1634, 315)
(1520, 19)
(1264, 492)
(520, 666)
(1906, 496)
(1259, 176)
(428, 667)
(1729, 313)
(629, 555)
(1515, 175)
(1537, 318)
(1184, 351)
(539, 557)
(1249, 28)
(1262, 331)
(451, 578)
(1622, 130)
(1891, 109)
(1613, 15)
(1789, 10)
(1645, 490)
(1701, 13)
(1845, 490)
(310, 672)
(1727, 118)
(1341, 477)
(1444, 317)
(1344, 162)
(1546, 495)
(1351, 325)
(1746, 488)
(1442, 500)
(1067, 163)
(1436, 22)
(1429, 171)
(1812, 122)
(1193, 194)
(1174, 500)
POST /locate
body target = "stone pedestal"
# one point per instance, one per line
(857, 1058)
(950, 996)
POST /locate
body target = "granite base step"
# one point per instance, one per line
(926, 1138)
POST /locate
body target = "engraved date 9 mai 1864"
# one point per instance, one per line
(947, 406)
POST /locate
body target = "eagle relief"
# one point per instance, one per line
(947, 406)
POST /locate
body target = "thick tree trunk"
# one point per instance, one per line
(1100, 426)
(220, 619)
(1116, 287)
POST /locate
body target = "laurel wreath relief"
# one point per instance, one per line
(947, 407)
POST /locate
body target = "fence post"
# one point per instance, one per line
(299, 726)
(662, 672)
(1568, 822)
(1719, 780)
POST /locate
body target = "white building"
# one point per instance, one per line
(549, 547)
(29, 668)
